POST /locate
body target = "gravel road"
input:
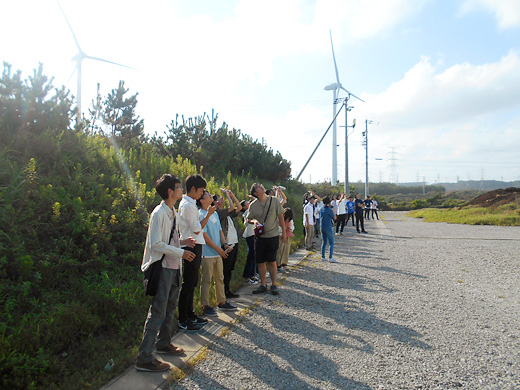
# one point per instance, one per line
(411, 305)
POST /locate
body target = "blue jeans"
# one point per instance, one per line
(327, 235)
(249, 267)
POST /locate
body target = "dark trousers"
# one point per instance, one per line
(190, 278)
(340, 221)
(350, 215)
(249, 267)
(367, 213)
(374, 211)
(359, 219)
(229, 266)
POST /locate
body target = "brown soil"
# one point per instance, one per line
(496, 198)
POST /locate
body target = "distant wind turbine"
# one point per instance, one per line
(79, 58)
(336, 88)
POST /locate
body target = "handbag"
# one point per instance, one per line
(260, 228)
(153, 274)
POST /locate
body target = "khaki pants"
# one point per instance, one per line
(309, 236)
(212, 267)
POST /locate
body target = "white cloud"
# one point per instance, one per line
(458, 94)
(507, 12)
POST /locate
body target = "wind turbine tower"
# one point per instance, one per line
(335, 87)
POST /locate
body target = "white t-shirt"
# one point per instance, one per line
(341, 206)
(232, 235)
(308, 211)
(373, 206)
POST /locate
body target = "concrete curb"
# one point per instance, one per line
(193, 343)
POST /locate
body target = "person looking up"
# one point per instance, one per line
(269, 212)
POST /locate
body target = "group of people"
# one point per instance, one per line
(323, 214)
(202, 237)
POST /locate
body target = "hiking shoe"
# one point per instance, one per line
(331, 260)
(363, 231)
(189, 327)
(230, 294)
(208, 311)
(226, 306)
(252, 281)
(274, 290)
(171, 350)
(153, 366)
(198, 321)
(260, 289)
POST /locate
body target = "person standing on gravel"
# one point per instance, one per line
(190, 225)
(327, 218)
(341, 215)
(226, 215)
(212, 255)
(269, 212)
(163, 245)
(309, 221)
(350, 210)
(359, 205)
(373, 207)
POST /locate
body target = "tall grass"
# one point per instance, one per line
(505, 215)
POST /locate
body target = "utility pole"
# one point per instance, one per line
(365, 142)
(347, 109)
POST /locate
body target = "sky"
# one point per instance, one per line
(440, 79)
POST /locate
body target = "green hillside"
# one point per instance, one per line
(74, 206)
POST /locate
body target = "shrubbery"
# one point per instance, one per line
(74, 210)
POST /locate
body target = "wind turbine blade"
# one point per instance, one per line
(351, 94)
(72, 74)
(110, 62)
(70, 27)
(334, 57)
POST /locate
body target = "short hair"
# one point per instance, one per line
(253, 189)
(243, 203)
(166, 182)
(196, 181)
(268, 192)
(199, 204)
(288, 215)
(326, 201)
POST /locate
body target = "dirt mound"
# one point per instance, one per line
(496, 198)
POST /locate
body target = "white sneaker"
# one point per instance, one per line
(331, 260)
(323, 259)
(267, 275)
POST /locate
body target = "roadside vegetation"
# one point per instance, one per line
(74, 207)
(499, 207)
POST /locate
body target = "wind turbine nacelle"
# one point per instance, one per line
(331, 87)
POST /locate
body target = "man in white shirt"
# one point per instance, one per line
(342, 214)
(191, 227)
(309, 219)
(163, 245)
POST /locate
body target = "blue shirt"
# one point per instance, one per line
(350, 206)
(212, 229)
(326, 217)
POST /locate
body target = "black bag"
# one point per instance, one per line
(151, 278)
(260, 228)
(153, 274)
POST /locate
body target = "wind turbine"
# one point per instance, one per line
(335, 87)
(78, 58)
